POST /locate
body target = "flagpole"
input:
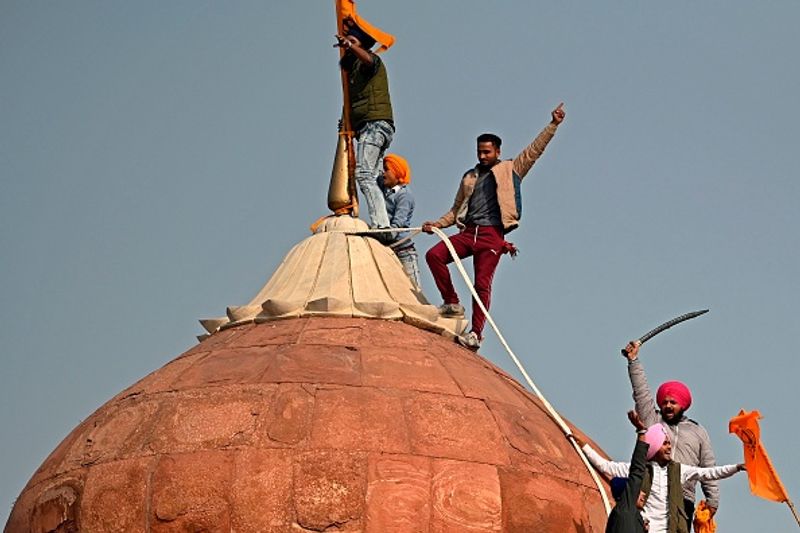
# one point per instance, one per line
(347, 129)
(794, 511)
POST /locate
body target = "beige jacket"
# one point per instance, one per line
(508, 174)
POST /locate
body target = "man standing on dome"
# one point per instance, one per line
(690, 441)
(370, 114)
(400, 207)
(488, 205)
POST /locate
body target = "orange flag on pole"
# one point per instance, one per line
(764, 481)
(347, 9)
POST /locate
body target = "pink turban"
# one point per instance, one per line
(655, 437)
(678, 391)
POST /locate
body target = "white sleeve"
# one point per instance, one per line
(603, 465)
(707, 474)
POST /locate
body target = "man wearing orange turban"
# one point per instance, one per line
(691, 443)
(400, 208)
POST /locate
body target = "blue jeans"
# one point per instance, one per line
(373, 140)
(408, 258)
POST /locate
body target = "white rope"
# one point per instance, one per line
(551, 411)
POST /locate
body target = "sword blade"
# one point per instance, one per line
(666, 325)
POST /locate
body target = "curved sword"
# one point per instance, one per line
(666, 325)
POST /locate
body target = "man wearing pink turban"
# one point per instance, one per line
(654, 489)
(691, 444)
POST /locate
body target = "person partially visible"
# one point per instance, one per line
(692, 445)
(400, 207)
(626, 516)
(488, 205)
(371, 114)
(663, 508)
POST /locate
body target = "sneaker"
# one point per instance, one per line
(470, 340)
(452, 310)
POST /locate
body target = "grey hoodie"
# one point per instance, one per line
(690, 442)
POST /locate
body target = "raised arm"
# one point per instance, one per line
(645, 403)
(350, 42)
(638, 460)
(527, 157)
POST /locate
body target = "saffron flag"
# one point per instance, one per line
(764, 481)
(346, 9)
(703, 521)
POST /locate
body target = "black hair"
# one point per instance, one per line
(363, 37)
(490, 138)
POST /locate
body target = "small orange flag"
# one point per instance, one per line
(347, 9)
(703, 522)
(764, 481)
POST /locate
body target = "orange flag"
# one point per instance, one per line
(764, 481)
(703, 522)
(347, 9)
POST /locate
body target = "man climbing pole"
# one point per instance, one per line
(690, 440)
(369, 111)
(488, 205)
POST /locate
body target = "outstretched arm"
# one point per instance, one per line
(525, 160)
(603, 465)
(706, 474)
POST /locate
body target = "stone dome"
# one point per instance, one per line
(316, 424)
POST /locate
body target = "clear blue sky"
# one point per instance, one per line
(158, 159)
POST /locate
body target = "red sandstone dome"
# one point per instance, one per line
(316, 424)
(286, 421)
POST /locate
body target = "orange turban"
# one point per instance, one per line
(399, 167)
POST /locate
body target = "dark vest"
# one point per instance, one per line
(677, 521)
(369, 95)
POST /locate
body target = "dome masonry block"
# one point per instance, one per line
(316, 424)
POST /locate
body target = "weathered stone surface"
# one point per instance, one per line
(161, 380)
(113, 434)
(115, 496)
(401, 368)
(455, 428)
(466, 497)
(292, 411)
(219, 419)
(542, 503)
(191, 492)
(359, 418)
(243, 365)
(477, 378)
(330, 490)
(398, 494)
(334, 331)
(262, 484)
(303, 363)
(269, 333)
(316, 424)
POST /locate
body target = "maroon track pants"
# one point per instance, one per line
(486, 245)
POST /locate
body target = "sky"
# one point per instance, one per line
(159, 159)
